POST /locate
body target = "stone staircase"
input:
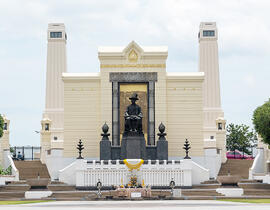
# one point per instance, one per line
(31, 169)
(236, 167)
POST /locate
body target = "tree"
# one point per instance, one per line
(240, 138)
(261, 121)
(1, 126)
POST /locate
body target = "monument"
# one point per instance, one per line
(133, 142)
(79, 104)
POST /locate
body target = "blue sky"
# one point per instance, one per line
(244, 48)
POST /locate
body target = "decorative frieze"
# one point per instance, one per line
(163, 65)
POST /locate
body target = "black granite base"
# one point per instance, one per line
(105, 150)
(162, 150)
(133, 146)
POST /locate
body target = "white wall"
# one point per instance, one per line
(212, 161)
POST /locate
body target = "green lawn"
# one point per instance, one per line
(21, 202)
(247, 200)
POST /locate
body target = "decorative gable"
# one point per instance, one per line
(133, 52)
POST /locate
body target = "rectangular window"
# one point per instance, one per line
(56, 34)
(47, 126)
(5, 126)
(209, 33)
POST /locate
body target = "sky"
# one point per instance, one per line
(244, 48)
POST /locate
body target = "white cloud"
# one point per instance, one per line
(244, 46)
(249, 80)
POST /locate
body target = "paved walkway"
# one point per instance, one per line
(141, 205)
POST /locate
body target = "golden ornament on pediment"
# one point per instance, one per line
(133, 56)
(132, 65)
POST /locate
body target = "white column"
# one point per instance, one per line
(208, 63)
(56, 65)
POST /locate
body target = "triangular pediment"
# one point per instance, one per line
(133, 52)
(132, 46)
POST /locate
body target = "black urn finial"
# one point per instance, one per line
(187, 148)
(161, 129)
(105, 134)
(80, 148)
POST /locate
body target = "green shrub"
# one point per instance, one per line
(7, 171)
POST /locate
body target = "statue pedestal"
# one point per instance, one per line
(162, 150)
(105, 150)
(133, 146)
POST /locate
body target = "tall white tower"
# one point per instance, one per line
(208, 63)
(56, 65)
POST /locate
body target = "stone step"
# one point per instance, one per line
(254, 186)
(206, 186)
(256, 192)
(250, 181)
(61, 187)
(15, 188)
(200, 192)
(72, 195)
(214, 181)
(11, 195)
(57, 182)
(18, 182)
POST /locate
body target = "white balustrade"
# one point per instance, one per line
(153, 174)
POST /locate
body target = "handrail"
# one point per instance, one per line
(256, 159)
(15, 171)
(252, 170)
(199, 166)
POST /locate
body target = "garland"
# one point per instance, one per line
(133, 166)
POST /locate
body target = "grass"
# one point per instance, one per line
(248, 200)
(22, 202)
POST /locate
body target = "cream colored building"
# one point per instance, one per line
(78, 104)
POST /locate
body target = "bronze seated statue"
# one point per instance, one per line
(133, 116)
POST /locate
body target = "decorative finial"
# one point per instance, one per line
(80, 148)
(187, 147)
(161, 129)
(105, 134)
(105, 128)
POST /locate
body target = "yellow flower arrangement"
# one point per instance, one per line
(133, 166)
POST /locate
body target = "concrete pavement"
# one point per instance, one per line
(141, 205)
